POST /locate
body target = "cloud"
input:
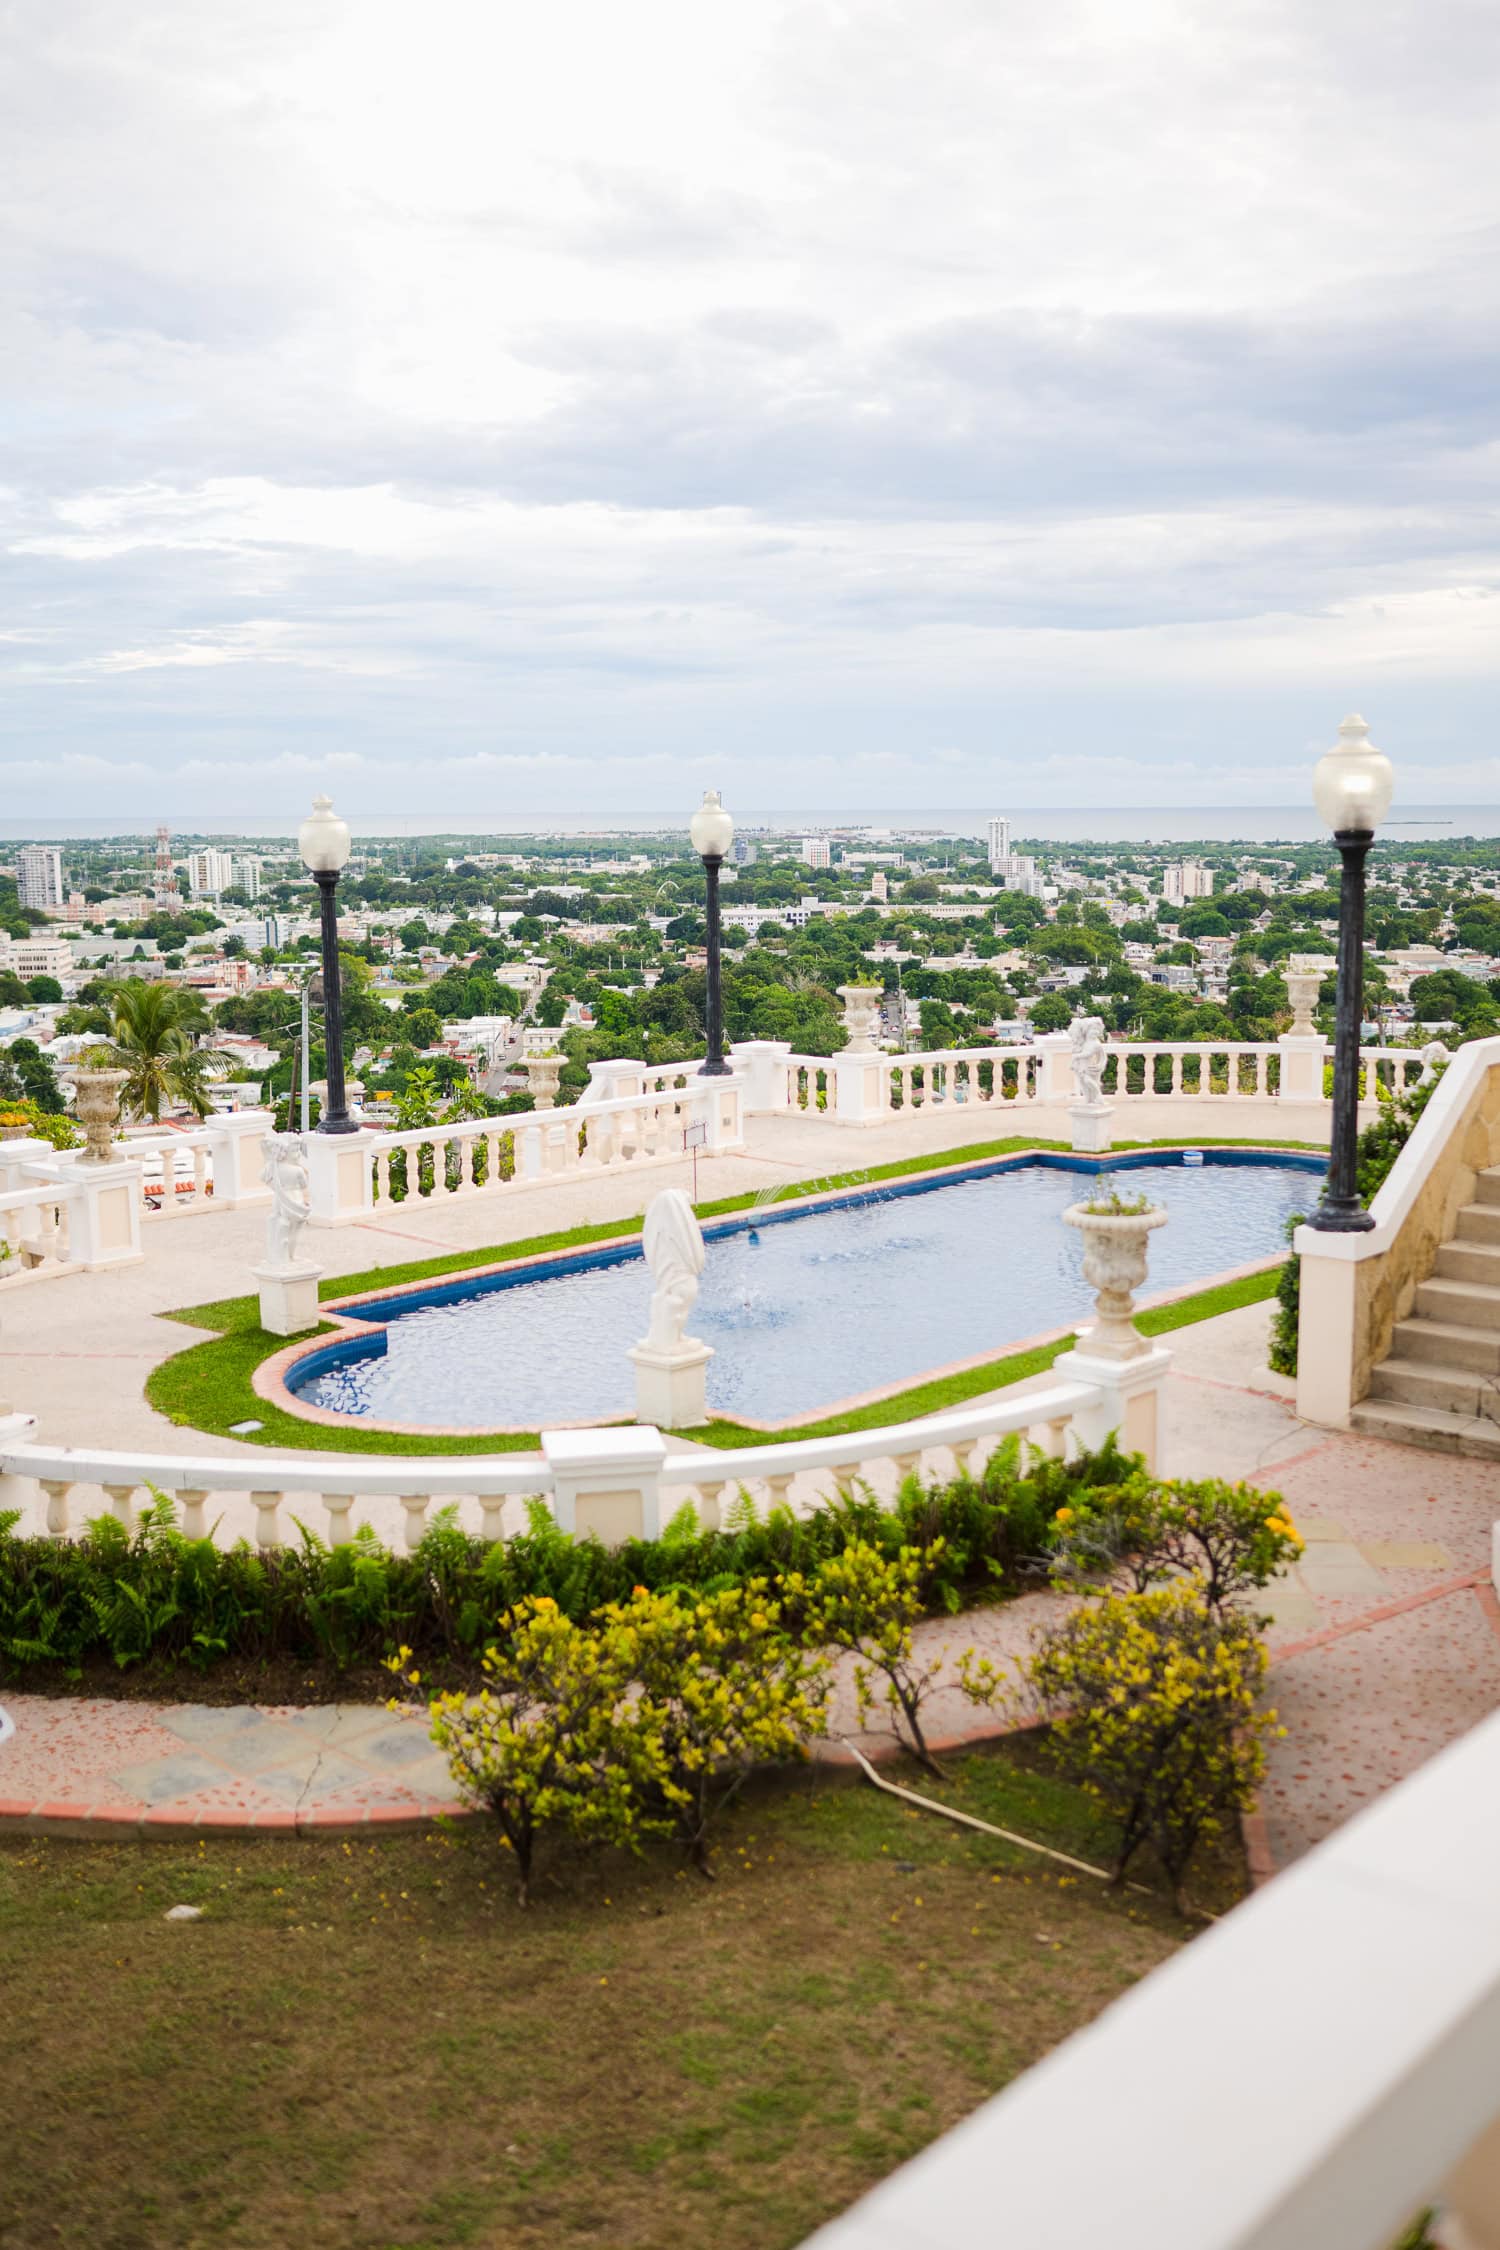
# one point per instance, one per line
(890, 400)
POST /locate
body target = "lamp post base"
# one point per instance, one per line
(715, 1067)
(1342, 1217)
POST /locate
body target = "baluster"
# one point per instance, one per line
(708, 1490)
(415, 1506)
(1057, 1437)
(779, 1486)
(844, 1474)
(57, 1505)
(907, 1464)
(267, 1523)
(339, 1506)
(121, 1498)
(1177, 1070)
(200, 1176)
(963, 1451)
(194, 1524)
(1262, 1064)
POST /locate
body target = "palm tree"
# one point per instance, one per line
(156, 1027)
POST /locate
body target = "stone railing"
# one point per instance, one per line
(35, 1234)
(1355, 1287)
(619, 1483)
(1286, 1074)
(351, 1174)
(1363, 1985)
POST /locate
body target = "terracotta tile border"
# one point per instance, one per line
(1381, 1614)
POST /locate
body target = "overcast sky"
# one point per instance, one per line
(491, 410)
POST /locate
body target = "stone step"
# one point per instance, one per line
(1468, 1261)
(1466, 1302)
(1478, 1222)
(1427, 1426)
(1447, 1343)
(1456, 1390)
(1487, 1186)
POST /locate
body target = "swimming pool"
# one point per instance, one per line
(874, 1288)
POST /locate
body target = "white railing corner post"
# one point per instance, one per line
(606, 1484)
(761, 1064)
(340, 1187)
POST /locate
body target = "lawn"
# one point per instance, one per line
(370, 2046)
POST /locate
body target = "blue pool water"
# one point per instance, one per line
(802, 1309)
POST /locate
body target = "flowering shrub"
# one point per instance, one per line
(1229, 1537)
(542, 1743)
(867, 1602)
(1152, 1698)
(645, 1721)
(719, 1687)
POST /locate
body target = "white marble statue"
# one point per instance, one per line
(673, 1245)
(1086, 1038)
(285, 1174)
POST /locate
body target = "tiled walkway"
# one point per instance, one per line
(1385, 1642)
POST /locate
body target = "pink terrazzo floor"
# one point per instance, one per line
(1385, 1646)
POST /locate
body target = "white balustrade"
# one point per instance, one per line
(262, 1491)
(848, 1088)
(655, 1123)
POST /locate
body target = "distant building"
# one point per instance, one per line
(247, 878)
(210, 873)
(37, 956)
(999, 841)
(745, 852)
(815, 851)
(1186, 879)
(39, 880)
(880, 889)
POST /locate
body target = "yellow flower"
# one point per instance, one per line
(1064, 1515)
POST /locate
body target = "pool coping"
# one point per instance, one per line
(269, 1378)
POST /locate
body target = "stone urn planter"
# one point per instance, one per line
(1114, 1266)
(861, 1015)
(14, 1128)
(96, 1099)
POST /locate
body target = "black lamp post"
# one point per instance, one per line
(712, 832)
(323, 841)
(1352, 791)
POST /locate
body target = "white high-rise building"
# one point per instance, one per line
(210, 872)
(999, 842)
(815, 851)
(247, 877)
(1186, 879)
(39, 881)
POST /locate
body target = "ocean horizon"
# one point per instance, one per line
(1030, 824)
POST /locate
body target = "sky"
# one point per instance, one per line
(487, 411)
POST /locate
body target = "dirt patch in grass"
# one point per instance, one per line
(370, 2046)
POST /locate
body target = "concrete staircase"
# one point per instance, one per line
(1440, 1384)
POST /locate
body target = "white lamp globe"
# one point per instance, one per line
(323, 839)
(1352, 782)
(711, 828)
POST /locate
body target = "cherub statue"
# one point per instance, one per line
(1086, 1037)
(673, 1246)
(284, 1171)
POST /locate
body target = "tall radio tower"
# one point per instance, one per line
(164, 881)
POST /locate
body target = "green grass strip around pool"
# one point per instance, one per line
(210, 1387)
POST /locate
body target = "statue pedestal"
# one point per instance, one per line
(669, 1385)
(288, 1298)
(1091, 1127)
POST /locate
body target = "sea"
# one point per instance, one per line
(1030, 824)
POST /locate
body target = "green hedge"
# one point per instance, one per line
(154, 1597)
